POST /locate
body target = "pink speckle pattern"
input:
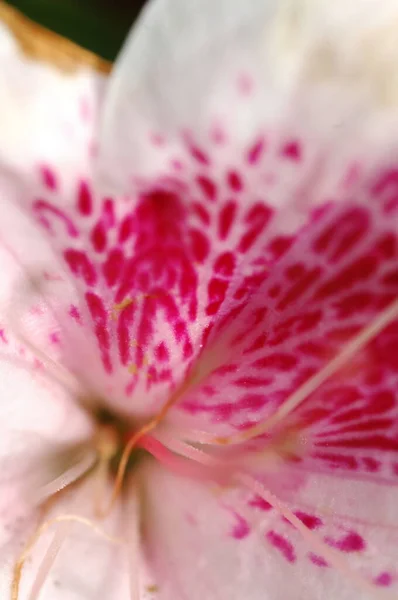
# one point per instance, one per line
(205, 265)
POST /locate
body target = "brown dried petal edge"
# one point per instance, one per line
(46, 46)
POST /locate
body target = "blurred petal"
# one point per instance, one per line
(200, 84)
(225, 544)
(48, 117)
(90, 556)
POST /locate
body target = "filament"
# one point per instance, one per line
(313, 541)
(49, 558)
(352, 347)
(52, 554)
(132, 443)
(67, 477)
(133, 540)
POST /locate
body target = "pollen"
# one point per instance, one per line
(118, 307)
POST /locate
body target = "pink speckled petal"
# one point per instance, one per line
(203, 541)
(83, 558)
(198, 74)
(277, 329)
(48, 118)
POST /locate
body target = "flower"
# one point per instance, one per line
(199, 309)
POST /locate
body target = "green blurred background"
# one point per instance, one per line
(99, 25)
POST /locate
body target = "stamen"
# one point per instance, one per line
(133, 542)
(48, 560)
(313, 541)
(67, 477)
(42, 529)
(154, 422)
(357, 343)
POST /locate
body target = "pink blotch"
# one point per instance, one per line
(292, 150)
(75, 314)
(84, 199)
(319, 561)
(45, 211)
(48, 177)
(255, 152)
(241, 529)
(352, 542)
(85, 109)
(207, 186)
(260, 503)
(245, 84)
(157, 139)
(283, 545)
(235, 181)
(54, 338)
(384, 579)
(218, 135)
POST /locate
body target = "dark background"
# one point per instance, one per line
(98, 25)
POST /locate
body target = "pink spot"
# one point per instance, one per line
(319, 561)
(98, 237)
(234, 181)
(338, 461)
(3, 337)
(251, 401)
(283, 545)
(388, 246)
(200, 245)
(310, 521)
(217, 135)
(54, 338)
(199, 155)
(80, 265)
(162, 353)
(255, 152)
(75, 314)
(126, 228)
(217, 289)
(177, 165)
(41, 207)
(384, 579)
(48, 177)
(292, 150)
(85, 109)
(352, 542)
(260, 503)
(359, 270)
(371, 464)
(257, 219)
(84, 199)
(280, 245)
(241, 528)
(157, 139)
(301, 287)
(343, 234)
(245, 84)
(280, 362)
(226, 218)
(108, 213)
(207, 186)
(113, 266)
(225, 264)
(201, 213)
(100, 318)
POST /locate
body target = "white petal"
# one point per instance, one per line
(48, 117)
(210, 543)
(243, 67)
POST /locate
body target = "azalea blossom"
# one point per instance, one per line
(199, 314)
